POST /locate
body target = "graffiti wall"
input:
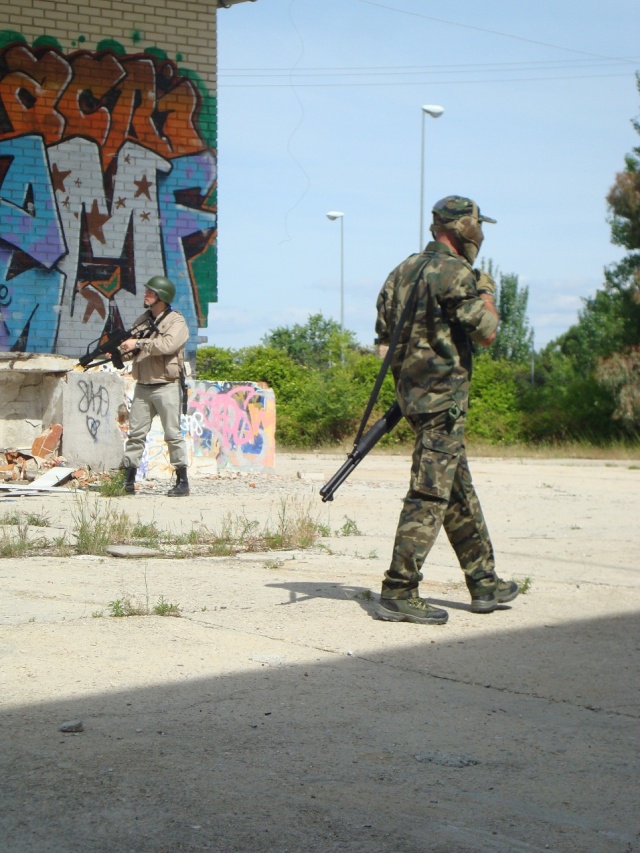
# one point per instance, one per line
(229, 424)
(107, 177)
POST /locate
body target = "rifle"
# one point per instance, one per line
(360, 449)
(109, 347)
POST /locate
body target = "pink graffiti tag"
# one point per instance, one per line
(236, 415)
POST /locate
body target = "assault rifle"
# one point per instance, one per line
(360, 449)
(109, 346)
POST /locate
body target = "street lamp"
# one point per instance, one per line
(333, 215)
(435, 111)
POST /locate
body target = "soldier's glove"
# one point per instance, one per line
(484, 283)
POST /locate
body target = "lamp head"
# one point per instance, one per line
(434, 110)
(335, 214)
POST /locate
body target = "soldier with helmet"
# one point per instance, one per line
(158, 362)
(447, 308)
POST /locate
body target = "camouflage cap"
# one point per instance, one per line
(455, 207)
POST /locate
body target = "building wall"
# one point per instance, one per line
(107, 166)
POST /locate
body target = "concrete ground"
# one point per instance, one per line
(278, 714)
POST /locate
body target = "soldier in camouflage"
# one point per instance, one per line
(452, 308)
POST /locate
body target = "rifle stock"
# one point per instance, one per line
(371, 437)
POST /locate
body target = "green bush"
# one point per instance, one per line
(494, 409)
(326, 411)
(253, 364)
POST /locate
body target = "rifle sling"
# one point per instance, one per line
(389, 355)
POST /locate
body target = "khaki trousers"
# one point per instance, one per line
(148, 401)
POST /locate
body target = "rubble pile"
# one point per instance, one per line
(21, 464)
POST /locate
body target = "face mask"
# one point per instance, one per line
(469, 232)
(469, 251)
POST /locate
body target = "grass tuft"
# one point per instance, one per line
(97, 524)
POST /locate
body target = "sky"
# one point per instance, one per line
(320, 109)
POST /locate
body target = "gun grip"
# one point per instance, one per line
(116, 358)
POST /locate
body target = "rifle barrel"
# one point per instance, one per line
(371, 437)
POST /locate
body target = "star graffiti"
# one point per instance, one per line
(95, 221)
(144, 185)
(58, 178)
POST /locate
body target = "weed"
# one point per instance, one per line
(34, 519)
(221, 549)
(349, 528)
(126, 607)
(11, 518)
(97, 614)
(18, 544)
(373, 555)
(365, 595)
(525, 585)
(112, 485)
(294, 529)
(165, 608)
(98, 526)
(61, 548)
(147, 534)
(37, 520)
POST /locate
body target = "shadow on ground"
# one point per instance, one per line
(515, 741)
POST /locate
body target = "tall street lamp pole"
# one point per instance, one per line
(333, 215)
(434, 111)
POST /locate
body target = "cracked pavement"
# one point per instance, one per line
(277, 714)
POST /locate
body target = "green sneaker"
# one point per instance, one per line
(410, 610)
(488, 592)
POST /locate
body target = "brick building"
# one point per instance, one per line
(108, 169)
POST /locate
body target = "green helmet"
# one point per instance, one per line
(163, 287)
(461, 216)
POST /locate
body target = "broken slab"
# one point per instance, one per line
(132, 551)
(46, 482)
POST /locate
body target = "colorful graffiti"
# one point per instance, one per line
(232, 424)
(234, 421)
(106, 178)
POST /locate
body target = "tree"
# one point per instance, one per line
(620, 374)
(317, 344)
(619, 371)
(514, 341)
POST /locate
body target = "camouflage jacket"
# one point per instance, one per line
(431, 364)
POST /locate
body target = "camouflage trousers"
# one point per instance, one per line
(441, 493)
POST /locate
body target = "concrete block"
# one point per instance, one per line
(91, 407)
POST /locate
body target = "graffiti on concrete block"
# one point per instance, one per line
(107, 178)
(230, 423)
(233, 421)
(93, 404)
